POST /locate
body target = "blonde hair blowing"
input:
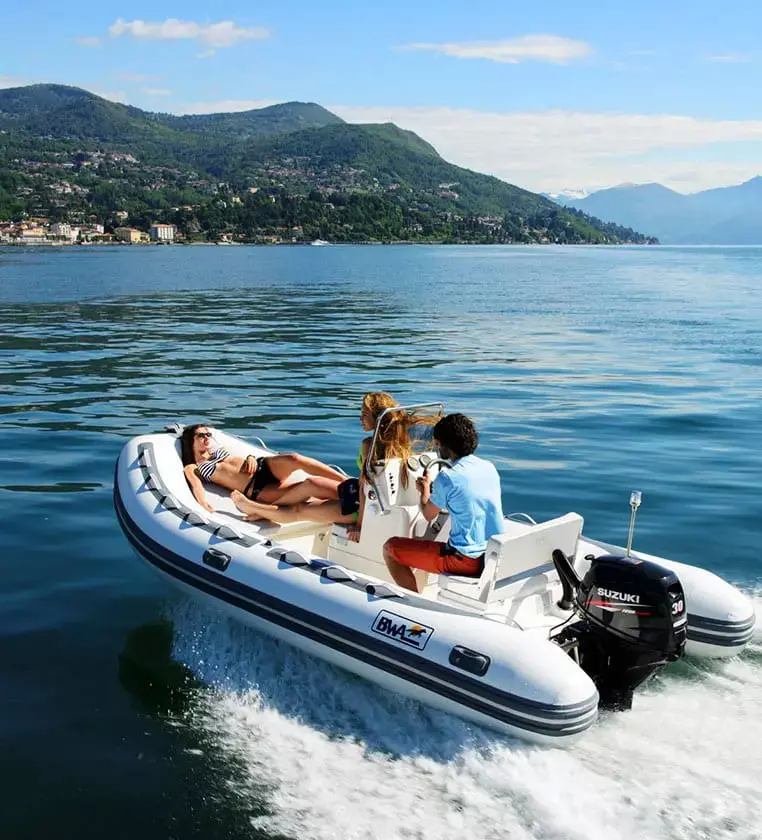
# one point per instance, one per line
(393, 438)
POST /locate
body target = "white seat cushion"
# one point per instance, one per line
(512, 556)
(534, 546)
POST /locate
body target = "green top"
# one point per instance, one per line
(360, 458)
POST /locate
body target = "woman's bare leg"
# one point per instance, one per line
(326, 511)
(310, 488)
(282, 466)
(258, 510)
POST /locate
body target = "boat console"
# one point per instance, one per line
(392, 509)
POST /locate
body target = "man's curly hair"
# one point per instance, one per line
(458, 434)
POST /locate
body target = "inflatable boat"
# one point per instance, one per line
(556, 626)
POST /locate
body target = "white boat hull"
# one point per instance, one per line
(491, 664)
(531, 689)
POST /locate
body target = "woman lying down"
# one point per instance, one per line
(258, 485)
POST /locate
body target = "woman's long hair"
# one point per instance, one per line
(393, 439)
(186, 442)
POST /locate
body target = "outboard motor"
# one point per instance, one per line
(632, 620)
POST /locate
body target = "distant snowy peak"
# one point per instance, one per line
(567, 195)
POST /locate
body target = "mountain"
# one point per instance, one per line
(61, 113)
(243, 125)
(393, 156)
(68, 112)
(723, 216)
(67, 153)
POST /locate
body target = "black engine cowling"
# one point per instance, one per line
(632, 621)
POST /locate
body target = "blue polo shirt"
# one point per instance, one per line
(470, 491)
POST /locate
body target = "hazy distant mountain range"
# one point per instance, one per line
(723, 216)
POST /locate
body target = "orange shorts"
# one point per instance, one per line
(436, 557)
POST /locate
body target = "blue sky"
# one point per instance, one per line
(554, 97)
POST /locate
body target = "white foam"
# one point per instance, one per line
(333, 756)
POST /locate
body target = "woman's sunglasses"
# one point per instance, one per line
(203, 434)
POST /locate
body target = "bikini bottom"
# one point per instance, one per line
(261, 478)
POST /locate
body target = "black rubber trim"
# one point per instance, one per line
(566, 720)
(216, 559)
(719, 640)
(716, 631)
(469, 660)
(718, 625)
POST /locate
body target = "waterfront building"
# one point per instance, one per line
(128, 234)
(162, 233)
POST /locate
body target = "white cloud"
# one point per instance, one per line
(89, 41)
(552, 150)
(552, 49)
(730, 58)
(225, 33)
(11, 81)
(157, 91)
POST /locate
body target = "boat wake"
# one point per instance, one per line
(317, 753)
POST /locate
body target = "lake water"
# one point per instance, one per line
(590, 373)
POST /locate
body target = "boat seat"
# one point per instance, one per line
(516, 556)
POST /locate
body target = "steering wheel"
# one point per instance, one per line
(426, 462)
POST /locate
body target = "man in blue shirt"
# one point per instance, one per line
(470, 491)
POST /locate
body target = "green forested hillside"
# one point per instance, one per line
(70, 155)
(59, 111)
(244, 125)
(394, 156)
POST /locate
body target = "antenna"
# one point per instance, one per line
(635, 499)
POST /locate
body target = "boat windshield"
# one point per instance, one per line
(419, 425)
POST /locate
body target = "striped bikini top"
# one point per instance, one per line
(206, 468)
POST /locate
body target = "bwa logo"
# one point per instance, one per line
(402, 629)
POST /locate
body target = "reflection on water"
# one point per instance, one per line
(239, 357)
(573, 369)
(59, 487)
(147, 670)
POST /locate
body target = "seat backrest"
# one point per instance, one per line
(532, 549)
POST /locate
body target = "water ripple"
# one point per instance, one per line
(590, 372)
